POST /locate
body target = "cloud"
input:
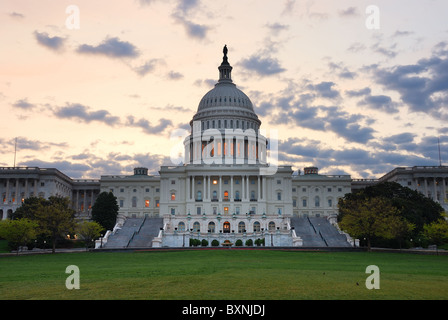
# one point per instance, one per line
(276, 28)
(324, 89)
(147, 126)
(23, 104)
(146, 68)
(262, 65)
(193, 30)
(173, 75)
(111, 47)
(358, 93)
(83, 113)
(24, 143)
(422, 86)
(53, 43)
(16, 15)
(380, 102)
(349, 12)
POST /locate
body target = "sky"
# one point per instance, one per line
(99, 87)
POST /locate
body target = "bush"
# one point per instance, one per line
(215, 243)
(239, 243)
(249, 243)
(195, 242)
(259, 242)
(204, 243)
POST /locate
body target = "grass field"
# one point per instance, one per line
(224, 274)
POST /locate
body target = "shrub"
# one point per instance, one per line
(215, 243)
(204, 243)
(239, 243)
(249, 243)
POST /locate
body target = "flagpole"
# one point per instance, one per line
(15, 152)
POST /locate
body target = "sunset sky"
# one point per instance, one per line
(106, 97)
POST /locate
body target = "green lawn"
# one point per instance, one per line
(224, 274)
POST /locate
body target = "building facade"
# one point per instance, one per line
(226, 186)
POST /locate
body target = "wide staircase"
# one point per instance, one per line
(318, 232)
(148, 231)
(136, 232)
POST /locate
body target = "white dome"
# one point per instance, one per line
(226, 102)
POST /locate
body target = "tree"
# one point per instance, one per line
(18, 232)
(105, 210)
(28, 208)
(55, 218)
(368, 218)
(89, 231)
(437, 231)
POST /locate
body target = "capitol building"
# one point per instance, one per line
(226, 190)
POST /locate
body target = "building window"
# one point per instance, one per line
(121, 190)
(157, 203)
(196, 227)
(146, 203)
(173, 181)
(279, 196)
(237, 195)
(226, 196)
(256, 226)
(317, 202)
(304, 203)
(241, 227)
(211, 227)
(198, 210)
(252, 195)
(215, 195)
(279, 211)
(173, 211)
(271, 226)
(199, 198)
(181, 226)
(134, 202)
(121, 203)
(173, 196)
(330, 203)
(147, 190)
(294, 202)
(226, 210)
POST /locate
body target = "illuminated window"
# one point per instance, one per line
(173, 196)
(226, 195)
(157, 203)
(146, 203)
(215, 181)
(226, 210)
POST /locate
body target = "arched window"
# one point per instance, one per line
(211, 227)
(256, 226)
(271, 226)
(226, 227)
(196, 227)
(181, 227)
(241, 227)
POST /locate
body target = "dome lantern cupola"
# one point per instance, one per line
(225, 69)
